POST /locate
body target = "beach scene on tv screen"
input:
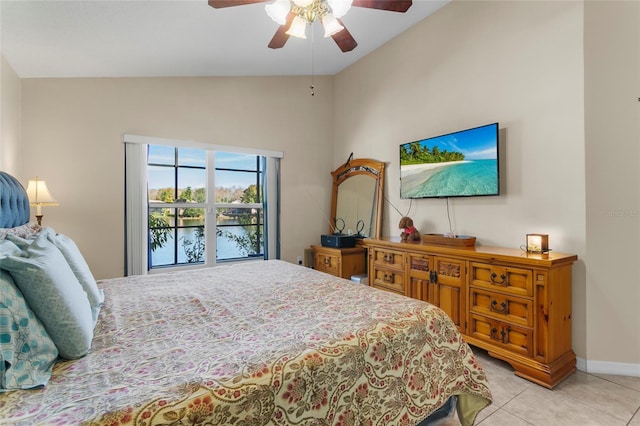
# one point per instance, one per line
(458, 164)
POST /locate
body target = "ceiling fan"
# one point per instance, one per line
(294, 15)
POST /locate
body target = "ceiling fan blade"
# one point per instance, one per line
(344, 39)
(228, 3)
(280, 37)
(391, 5)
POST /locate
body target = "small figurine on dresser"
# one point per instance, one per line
(409, 232)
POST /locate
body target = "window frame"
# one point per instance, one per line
(137, 207)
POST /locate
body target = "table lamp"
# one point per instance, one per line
(39, 196)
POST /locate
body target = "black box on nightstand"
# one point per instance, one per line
(338, 240)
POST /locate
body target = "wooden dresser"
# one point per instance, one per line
(342, 263)
(514, 304)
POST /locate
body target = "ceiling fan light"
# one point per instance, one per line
(331, 25)
(298, 28)
(278, 11)
(303, 3)
(339, 7)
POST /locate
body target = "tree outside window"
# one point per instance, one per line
(177, 200)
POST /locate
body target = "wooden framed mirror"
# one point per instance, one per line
(356, 204)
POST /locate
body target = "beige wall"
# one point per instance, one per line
(612, 107)
(519, 63)
(72, 133)
(9, 119)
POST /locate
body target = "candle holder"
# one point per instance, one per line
(537, 243)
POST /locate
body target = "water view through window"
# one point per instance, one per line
(177, 199)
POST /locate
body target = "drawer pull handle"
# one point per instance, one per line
(388, 257)
(388, 278)
(327, 261)
(502, 309)
(494, 336)
(503, 279)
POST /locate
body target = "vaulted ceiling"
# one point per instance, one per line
(132, 38)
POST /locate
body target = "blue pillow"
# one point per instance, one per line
(8, 248)
(79, 266)
(27, 353)
(54, 294)
(75, 260)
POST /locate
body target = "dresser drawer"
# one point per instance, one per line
(502, 278)
(420, 265)
(388, 279)
(388, 258)
(327, 263)
(515, 310)
(512, 337)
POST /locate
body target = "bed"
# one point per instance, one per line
(253, 343)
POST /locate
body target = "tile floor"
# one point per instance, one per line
(580, 400)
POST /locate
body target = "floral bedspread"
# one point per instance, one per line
(253, 344)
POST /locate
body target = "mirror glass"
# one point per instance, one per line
(357, 198)
(356, 206)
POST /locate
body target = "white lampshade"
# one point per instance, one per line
(39, 195)
(303, 3)
(339, 7)
(298, 28)
(278, 10)
(331, 25)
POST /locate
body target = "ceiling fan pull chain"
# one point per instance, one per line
(311, 87)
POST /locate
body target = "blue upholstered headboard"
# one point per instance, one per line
(14, 203)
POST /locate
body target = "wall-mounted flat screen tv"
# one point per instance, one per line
(459, 164)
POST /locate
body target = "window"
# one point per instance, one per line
(199, 205)
(239, 205)
(176, 197)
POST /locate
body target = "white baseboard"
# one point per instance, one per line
(606, 367)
